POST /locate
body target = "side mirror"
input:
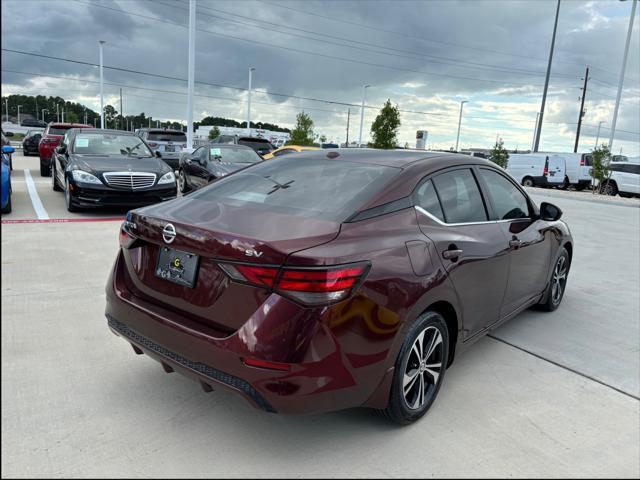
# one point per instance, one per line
(158, 154)
(8, 149)
(61, 149)
(549, 212)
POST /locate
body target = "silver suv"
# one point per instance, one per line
(168, 142)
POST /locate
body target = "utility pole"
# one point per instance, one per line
(6, 109)
(149, 122)
(460, 122)
(44, 110)
(535, 128)
(36, 107)
(622, 70)
(598, 135)
(251, 70)
(364, 91)
(19, 114)
(85, 115)
(57, 112)
(582, 111)
(191, 73)
(120, 122)
(546, 81)
(348, 117)
(101, 43)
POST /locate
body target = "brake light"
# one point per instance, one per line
(546, 167)
(126, 238)
(310, 286)
(256, 362)
(582, 161)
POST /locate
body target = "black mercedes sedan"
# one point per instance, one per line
(100, 168)
(213, 161)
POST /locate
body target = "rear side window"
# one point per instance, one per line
(167, 137)
(427, 199)
(460, 197)
(508, 202)
(315, 188)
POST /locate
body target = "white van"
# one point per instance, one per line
(537, 169)
(577, 170)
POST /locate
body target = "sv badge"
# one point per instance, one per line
(249, 252)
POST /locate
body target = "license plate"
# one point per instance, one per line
(169, 148)
(177, 266)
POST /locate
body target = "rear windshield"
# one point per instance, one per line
(255, 143)
(58, 130)
(322, 189)
(234, 155)
(167, 136)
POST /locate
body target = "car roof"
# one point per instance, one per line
(228, 145)
(390, 158)
(108, 130)
(70, 125)
(162, 130)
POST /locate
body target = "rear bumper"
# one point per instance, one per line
(325, 378)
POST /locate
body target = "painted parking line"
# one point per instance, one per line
(41, 213)
(64, 220)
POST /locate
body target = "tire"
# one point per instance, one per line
(54, 180)
(565, 185)
(610, 188)
(581, 186)
(182, 182)
(7, 207)
(406, 405)
(559, 275)
(527, 182)
(67, 198)
(45, 170)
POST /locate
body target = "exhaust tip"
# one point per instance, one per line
(167, 368)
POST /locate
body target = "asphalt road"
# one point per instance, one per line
(550, 395)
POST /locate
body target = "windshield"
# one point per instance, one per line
(167, 137)
(110, 144)
(234, 155)
(315, 188)
(58, 130)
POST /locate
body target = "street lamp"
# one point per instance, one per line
(460, 122)
(101, 43)
(19, 114)
(598, 135)
(364, 92)
(251, 70)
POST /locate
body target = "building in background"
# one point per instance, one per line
(201, 135)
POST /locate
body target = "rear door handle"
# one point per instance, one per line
(451, 254)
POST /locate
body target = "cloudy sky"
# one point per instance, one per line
(426, 56)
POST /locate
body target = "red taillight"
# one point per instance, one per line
(256, 362)
(546, 168)
(126, 239)
(311, 286)
(582, 162)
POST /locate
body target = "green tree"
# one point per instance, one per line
(384, 129)
(109, 116)
(499, 154)
(71, 117)
(214, 133)
(601, 156)
(323, 138)
(302, 134)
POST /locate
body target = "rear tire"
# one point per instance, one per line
(527, 182)
(182, 182)
(54, 180)
(557, 283)
(610, 188)
(45, 170)
(7, 207)
(419, 369)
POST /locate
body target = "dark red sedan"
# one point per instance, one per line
(321, 281)
(51, 138)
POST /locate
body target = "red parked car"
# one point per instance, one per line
(50, 140)
(319, 281)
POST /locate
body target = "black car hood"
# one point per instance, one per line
(97, 164)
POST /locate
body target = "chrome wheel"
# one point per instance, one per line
(423, 368)
(559, 279)
(182, 181)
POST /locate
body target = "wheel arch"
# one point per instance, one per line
(450, 316)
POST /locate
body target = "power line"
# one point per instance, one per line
(307, 52)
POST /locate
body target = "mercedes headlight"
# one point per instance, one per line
(84, 177)
(168, 177)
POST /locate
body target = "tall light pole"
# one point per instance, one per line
(546, 81)
(44, 110)
(57, 112)
(94, 122)
(6, 109)
(622, 70)
(535, 129)
(251, 70)
(101, 43)
(460, 122)
(598, 135)
(19, 114)
(191, 71)
(364, 92)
